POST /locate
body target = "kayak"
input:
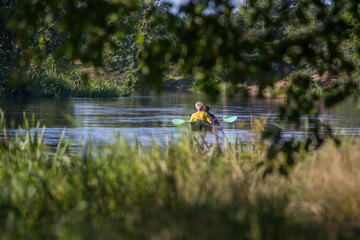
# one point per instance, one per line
(203, 126)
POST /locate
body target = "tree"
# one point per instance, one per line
(7, 48)
(141, 31)
(208, 38)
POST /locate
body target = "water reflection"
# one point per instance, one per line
(48, 111)
(149, 116)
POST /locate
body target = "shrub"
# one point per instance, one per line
(49, 80)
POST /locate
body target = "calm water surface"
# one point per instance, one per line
(149, 116)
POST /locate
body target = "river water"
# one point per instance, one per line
(148, 116)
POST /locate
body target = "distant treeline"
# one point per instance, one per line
(51, 73)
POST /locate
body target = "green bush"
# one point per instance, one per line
(52, 80)
(46, 86)
(101, 89)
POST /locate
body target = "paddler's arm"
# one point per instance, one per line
(216, 121)
(208, 118)
(213, 118)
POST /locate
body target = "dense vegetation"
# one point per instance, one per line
(49, 75)
(144, 43)
(188, 189)
(52, 80)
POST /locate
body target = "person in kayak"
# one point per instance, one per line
(206, 108)
(200, 115)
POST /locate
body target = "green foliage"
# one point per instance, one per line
(142, 30)
(245, 46)
(314, 87)
(7, 48)
(101, 88)
(54, 79)
(207, 41)
(123, 190)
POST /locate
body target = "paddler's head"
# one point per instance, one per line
(199, 106)
(206, 108)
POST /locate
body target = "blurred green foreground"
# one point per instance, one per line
(187, 190)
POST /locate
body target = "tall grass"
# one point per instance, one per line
(50, 80)
(187, 189)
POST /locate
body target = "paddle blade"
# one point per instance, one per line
(230, 119)
(178, 121)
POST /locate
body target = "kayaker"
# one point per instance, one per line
(200, 115)
(206, 108)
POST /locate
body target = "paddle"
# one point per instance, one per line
(230, 119)
(178, 121)
(181, 121)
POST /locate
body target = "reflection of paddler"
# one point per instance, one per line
(200, 115)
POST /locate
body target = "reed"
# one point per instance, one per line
(188, 189)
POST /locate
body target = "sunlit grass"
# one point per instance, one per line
(49, 80)
(185, 189)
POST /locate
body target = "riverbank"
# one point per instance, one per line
(186, 189)
(318, 86)
(55, 79)
(48, 80)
